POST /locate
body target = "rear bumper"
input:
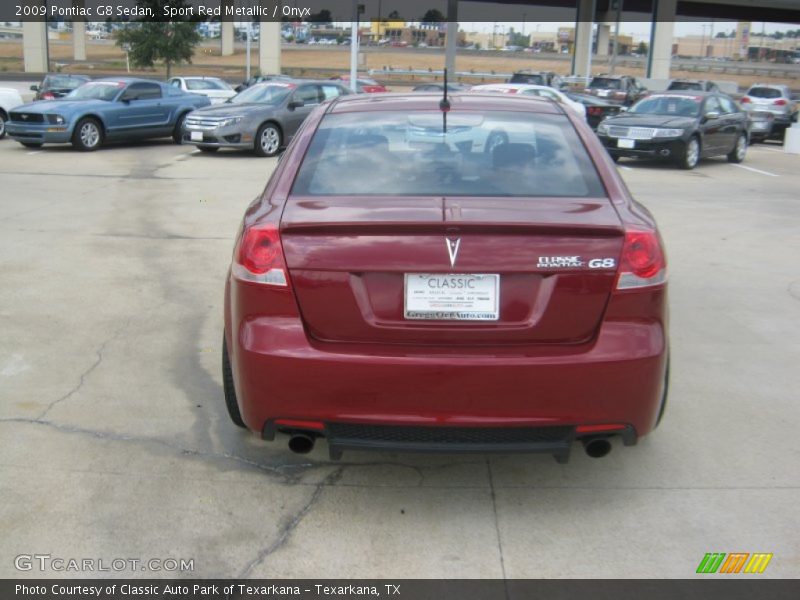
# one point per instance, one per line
(280, 373)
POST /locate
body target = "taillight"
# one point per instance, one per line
(745, 100)
(642, 263)
(48, 96)
(780, 102)
(259, 256)
(594, 110)
(619, 94)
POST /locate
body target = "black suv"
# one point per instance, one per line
(57, 85)
(621, 89)
(547, 78)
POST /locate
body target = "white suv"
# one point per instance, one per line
(776, 99)
(9, 98)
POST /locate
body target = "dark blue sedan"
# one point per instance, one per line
(103, 110)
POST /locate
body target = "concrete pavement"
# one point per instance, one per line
(116, 443)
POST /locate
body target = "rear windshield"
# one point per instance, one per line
(606, 84)
(685, 85)
(480, 154)
(527, 78)
(63, 81)
(764, 92)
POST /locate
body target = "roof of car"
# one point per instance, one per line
(128, 80)
(702, 93)
(430, 101)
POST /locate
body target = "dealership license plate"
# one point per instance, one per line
(196, 136)
(452, 297)
(626, 143)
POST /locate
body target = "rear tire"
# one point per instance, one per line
(691, 154)
(88, 135)
(228, 388)
(739, 149)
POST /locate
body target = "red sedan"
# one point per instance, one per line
(423, 275)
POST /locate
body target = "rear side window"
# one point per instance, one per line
(728, 105)
(764, 92)
(514, 154)
(331, 91)
(144, 91)
(684, 85)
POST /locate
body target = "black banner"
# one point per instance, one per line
(429, 11)
(736, 588)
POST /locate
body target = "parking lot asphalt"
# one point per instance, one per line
(115, 442)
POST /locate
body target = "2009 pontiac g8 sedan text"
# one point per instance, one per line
(450, 276)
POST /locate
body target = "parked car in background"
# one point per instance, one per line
(57, 85)
(542, 91)
(260, 79)
(9, 99)
(443, 299)
(104, 110)
(263, 118)
(761, 123)
(679, 126)
(439, 87)
(213, 88)
(364, 85)
(622, 89)
(698, 85)
(773, 98)
(547, 78)
(597, 109)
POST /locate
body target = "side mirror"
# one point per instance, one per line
(296, 103)
(128, 97)
(712, 115)
(34, 88)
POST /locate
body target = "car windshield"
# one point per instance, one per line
(206, 84)
(685, 85)
(606, 83)
(675, 105)
(513, 154)
(96, 90)
(63, 82)
(268, 93)
(764, 92)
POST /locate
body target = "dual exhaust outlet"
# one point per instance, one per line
(594, 446)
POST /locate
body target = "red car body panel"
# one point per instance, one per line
(333, 346)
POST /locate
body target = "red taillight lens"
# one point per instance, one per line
(745, 100)
(780, 102)
(642, 263)
(594, 110)
(48, 96)
(259, 256)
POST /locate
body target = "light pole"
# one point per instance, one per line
(615, 49)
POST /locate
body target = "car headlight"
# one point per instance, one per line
(230, 121)
(602, 128)
(664, 133)
(56, 119)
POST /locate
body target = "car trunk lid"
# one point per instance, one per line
(348, 258)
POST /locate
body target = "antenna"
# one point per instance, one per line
(444, 104)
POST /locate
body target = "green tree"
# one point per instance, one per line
(642, 49)
(433, 16)
(150, 41)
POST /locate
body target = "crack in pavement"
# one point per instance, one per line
(287, 530)
(87, 372)
(497, 524)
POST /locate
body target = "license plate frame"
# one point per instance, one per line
(449, 300)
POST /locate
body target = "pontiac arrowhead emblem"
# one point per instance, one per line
(452, 249)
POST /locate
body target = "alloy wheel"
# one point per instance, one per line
(270, 140)
(90, 135)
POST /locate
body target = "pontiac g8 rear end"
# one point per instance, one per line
(471, 277)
